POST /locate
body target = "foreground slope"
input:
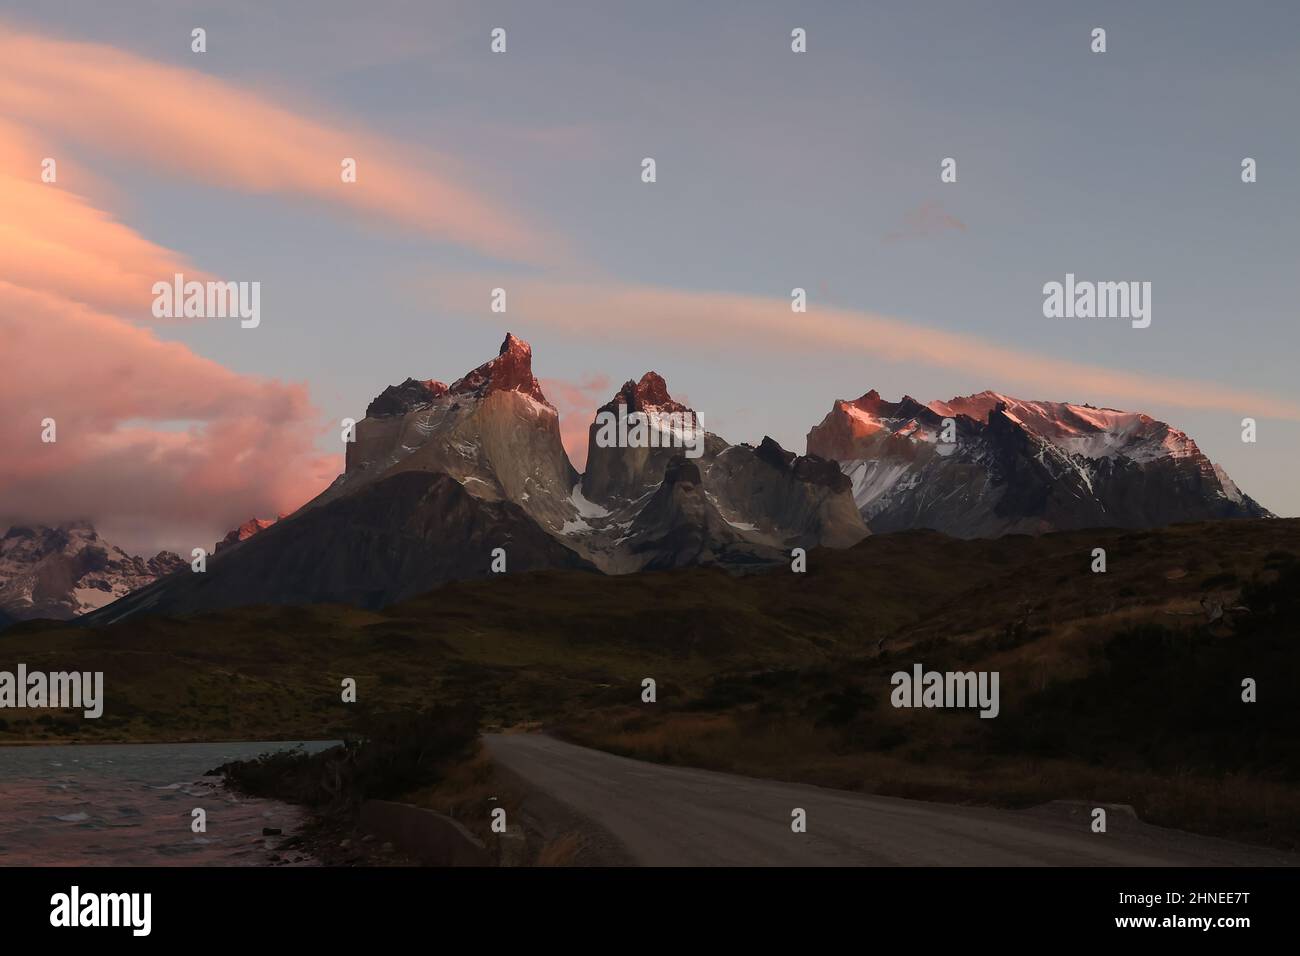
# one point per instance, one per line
(1123, 687)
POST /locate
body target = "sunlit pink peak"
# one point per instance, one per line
(510, 371)
(245, 531)
(650, 393)
(1080, 429)
(869, 402)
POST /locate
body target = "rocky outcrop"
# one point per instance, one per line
(617, 475)
(245, 531)
(409, 396)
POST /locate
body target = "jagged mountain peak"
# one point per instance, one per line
(510, 371)
(410, 395)
(770, 451)
(650, 393)
(245, 531)
(492, 430)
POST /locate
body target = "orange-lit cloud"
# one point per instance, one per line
(194, 125)
(56, 240)
(147, 431)
(577, 403)
(151, 435)
(743, 321)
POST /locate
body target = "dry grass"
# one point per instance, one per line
(1238, 807)
(468, 793)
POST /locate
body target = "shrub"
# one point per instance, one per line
(396, 753)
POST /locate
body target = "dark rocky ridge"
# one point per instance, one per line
(386, 542)
(410, 395)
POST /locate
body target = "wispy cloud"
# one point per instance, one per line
(150, 433)
(55, 240)
(765, 324)
(197, 126)
(927, 220)
(146, 429)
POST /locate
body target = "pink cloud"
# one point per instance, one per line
(152, 437)
(148, 432)
(577, 403)
(198, 126)
(54, 239)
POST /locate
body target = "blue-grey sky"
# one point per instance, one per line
(775, 170)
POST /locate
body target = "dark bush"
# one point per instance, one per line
(396, 753)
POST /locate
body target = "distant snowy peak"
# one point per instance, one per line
(64, 571)
(1084, 430)
(1009, 465)
(861, 428)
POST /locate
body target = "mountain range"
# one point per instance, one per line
(62, 572)
(989, 464)
(440, 476)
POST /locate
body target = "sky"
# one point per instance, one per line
(522, 170)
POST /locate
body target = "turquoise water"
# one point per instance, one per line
(131, 805)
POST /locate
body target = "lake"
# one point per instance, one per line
(131, 805)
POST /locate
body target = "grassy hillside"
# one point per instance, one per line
(1114, 686)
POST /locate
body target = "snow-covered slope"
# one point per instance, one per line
(1019, 466)
(69, 570)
